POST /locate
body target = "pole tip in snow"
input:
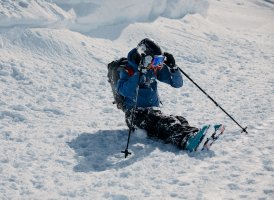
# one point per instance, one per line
(244, 130)
(126, 152)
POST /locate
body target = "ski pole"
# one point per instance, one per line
(126, 152)
(243, 129)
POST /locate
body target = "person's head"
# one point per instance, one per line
(151, 53)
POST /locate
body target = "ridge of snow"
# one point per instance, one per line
(89, 15)
(38, 13)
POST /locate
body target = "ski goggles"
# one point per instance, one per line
(158, 61)
(155, 62)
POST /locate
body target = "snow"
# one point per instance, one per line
(31, 13)
(61, 136)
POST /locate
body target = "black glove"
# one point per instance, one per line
(170, 61)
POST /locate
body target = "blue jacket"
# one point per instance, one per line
(148, 93)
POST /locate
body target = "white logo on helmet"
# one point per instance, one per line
(141, 49)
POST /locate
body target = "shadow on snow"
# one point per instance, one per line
(101, 150)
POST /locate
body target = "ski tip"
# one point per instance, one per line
(219, 127)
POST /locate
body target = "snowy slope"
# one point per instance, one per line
(32, 13)
(61, 136)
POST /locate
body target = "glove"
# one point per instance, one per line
(170, 61)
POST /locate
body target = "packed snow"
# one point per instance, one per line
(61, 136)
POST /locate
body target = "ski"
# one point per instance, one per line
(194, 141)
(218, 131)
(205, 137)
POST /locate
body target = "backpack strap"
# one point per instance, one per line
(123, 62)
(129, 70)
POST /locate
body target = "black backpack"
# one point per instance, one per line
(113, 76)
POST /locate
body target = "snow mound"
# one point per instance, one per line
(44, 42)
(93, 14)
(31, 13)
(86, 16)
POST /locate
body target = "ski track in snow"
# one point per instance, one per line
(61, 137)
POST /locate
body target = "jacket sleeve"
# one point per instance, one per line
(126, 85)
(174, 79)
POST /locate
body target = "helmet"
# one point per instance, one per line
(148, 47)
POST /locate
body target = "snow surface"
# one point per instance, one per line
(61, 136)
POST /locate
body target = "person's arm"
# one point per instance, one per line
(126, 85)
(174, 79)
(169, 73)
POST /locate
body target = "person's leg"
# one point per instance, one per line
(139, 120)
(172, 129)
(176, 130)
